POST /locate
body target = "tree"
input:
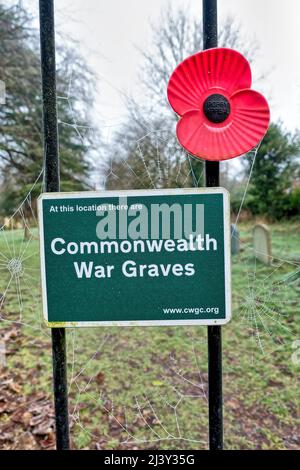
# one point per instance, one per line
(272, 173)
(177, 35)
(21, 144)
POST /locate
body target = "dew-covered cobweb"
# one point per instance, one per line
(146, 388)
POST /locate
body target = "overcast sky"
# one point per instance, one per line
(110, 30)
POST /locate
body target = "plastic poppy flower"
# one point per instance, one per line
(221, 117)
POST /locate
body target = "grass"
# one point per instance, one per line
(147, 387)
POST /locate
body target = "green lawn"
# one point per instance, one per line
(147, 387)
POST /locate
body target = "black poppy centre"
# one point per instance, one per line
(216, 108)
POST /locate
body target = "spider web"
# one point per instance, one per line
(164, 396)
(262, 307)
(168, 166)
(19, 247)
(149, 415)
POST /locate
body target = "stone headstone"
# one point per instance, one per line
(262, 243)
(235, 239)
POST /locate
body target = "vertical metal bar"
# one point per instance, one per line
(214, 333)
(52, 183)
(59, 357)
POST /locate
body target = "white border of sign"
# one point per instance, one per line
(142, 192)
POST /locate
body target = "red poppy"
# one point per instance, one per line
(221, 117)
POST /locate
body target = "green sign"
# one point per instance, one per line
(158, 257)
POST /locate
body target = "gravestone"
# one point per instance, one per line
(235, 239)
(262, 243)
